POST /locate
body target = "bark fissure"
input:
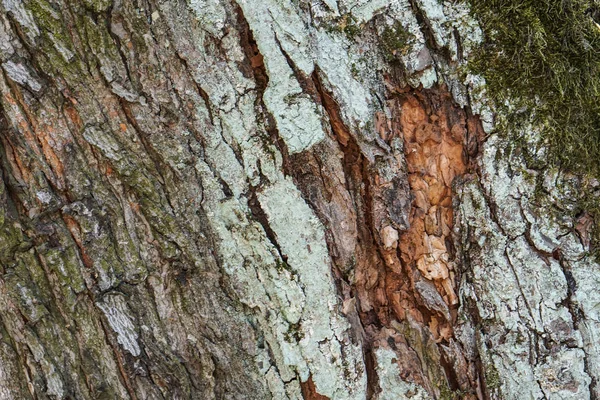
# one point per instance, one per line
(357, 184)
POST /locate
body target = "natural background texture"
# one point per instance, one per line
(260, 199)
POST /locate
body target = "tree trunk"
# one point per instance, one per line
(268, 199)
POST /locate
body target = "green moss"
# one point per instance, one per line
(354, 70)
(55, 35)
(282, 266)
(395, 41)
(448, 394)
(294, 333)
(98, 6)
(543, 56)
(351, 28)
(492, 378)
(346, 24)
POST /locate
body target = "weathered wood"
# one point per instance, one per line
(268, 199)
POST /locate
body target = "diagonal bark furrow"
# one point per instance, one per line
(260, 216)
(254, 62)
(93, 255)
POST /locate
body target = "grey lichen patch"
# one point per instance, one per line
(19, 74)
(23, 17)
(308, 254)
(392, 386)
(118, 314)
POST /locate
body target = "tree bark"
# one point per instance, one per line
(268, 199)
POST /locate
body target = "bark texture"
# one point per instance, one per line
(251, 199)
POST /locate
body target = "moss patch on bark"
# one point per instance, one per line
(543, 56)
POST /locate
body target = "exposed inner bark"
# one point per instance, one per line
(403, 274)
(434, 134)
(309, 392)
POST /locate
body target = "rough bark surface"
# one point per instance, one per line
(275, 199)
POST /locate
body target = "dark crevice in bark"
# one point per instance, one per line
(544, 255)
(481, 386)
(259, 215)
(428, 32)
(516, 276)
(373, 388)
(356, 170)
(356, 167)
(119, 360)
(470, 308)
(118, 44)
(459, 45)
(201, 92)
(594, 381)
(450, 372)
(482, 389)
(306, 83)
(254, 59)
(493, 208)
